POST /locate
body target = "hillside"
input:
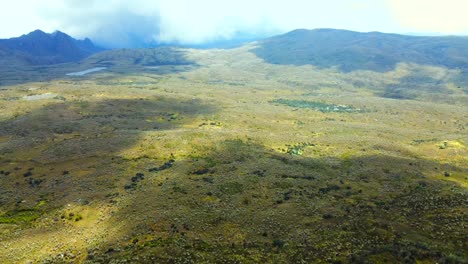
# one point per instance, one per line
(143, 57)
(162, 59)
(174, 155)
(39, 48)
(374, 51)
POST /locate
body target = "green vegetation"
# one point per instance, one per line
(318, 106)
(72, 217)
(24, 216)
(298, 149)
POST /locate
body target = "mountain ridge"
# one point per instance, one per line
(40, 48)
(350, 50)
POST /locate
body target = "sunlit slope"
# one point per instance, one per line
(350, 52)
(405, 81)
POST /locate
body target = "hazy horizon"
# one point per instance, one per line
(120, 23)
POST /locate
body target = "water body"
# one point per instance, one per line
(81, 73)
(39, 96)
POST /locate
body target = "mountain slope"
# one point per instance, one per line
(39, 48)
(351, 51)
(145, 57)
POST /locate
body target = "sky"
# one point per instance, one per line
(130, 23)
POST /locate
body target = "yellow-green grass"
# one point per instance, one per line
(384, 184)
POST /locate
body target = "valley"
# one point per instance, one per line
(174, 155)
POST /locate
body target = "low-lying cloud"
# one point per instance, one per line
(122, 23)
(136, 23)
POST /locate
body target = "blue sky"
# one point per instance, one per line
(122, 22)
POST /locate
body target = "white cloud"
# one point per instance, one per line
(444, 16)
(121, 22)
(112, 23)
(127, 23)
(20, 17)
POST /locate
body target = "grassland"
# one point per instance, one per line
(200, 164)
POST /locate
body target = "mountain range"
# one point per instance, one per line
(40, 48)
(324, 48)
(373, 51)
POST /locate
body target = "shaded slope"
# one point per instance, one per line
(362, 51)
(164, 60)
(273, 207)
(39, 48)
(144, 57)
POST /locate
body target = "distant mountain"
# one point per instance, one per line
(39, 48)
(373, 51)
